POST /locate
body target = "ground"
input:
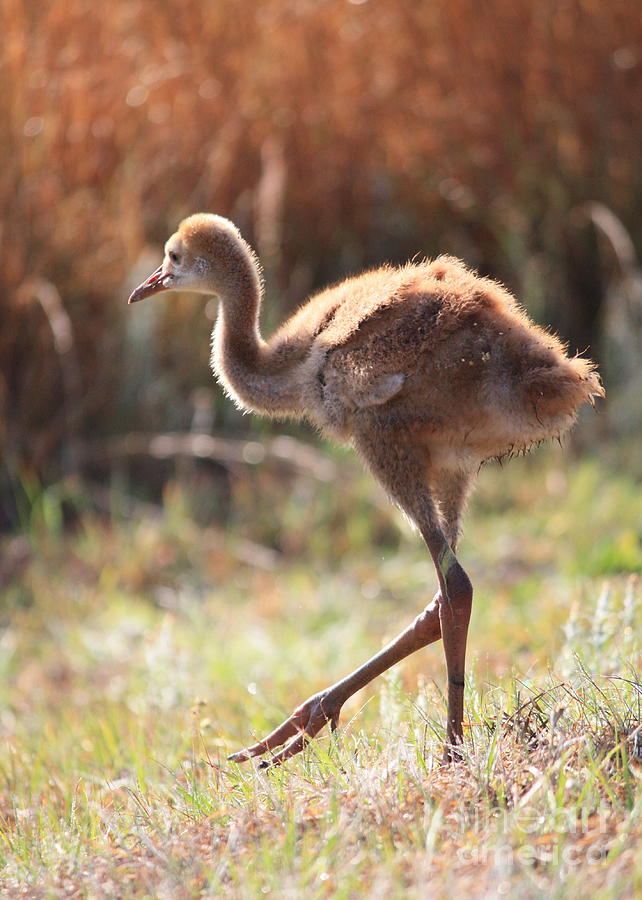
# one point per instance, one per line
(139, 648)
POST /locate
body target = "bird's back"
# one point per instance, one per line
(436, 347)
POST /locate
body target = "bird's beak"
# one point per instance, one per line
(156, 283)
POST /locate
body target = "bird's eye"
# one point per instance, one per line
(174, 256)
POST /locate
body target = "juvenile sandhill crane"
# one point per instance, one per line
(427, 370)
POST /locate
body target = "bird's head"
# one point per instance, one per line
(199, 257)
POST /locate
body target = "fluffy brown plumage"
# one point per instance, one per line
(427, 369)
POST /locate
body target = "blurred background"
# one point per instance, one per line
(336, 134)
(175, 577)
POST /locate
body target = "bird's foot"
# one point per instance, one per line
(453, 752)
(294, 733)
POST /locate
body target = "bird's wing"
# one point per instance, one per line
(350, 379)
(373, 391)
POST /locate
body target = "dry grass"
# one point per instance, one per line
(335, 134)
(137, 652)
(141, 643)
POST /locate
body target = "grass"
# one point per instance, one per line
(139, 649)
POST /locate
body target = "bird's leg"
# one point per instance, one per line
(455, 603)
(412, 479)
(451, 489)
(447, 615)
(313, 714)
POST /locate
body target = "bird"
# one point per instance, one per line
(427, 370)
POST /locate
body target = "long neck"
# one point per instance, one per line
(240, 357)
